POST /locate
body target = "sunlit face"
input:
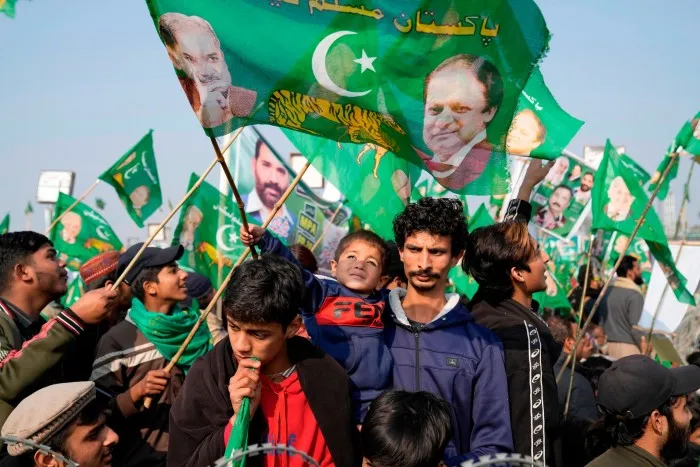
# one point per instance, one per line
(139, 197)
(587, 182)
(455, 110)
(536, 278)
(193, 217)
(427, 259)
(559, 201)
(575, 172)
(271, 177)
(359, 267)
(91, 445)
(525, 133)
(264, 341)
(170, 286)
(620, 196)
(72, 223)
(560, 166)
(47, 272)
(201, 58)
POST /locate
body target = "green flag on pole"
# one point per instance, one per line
(618, 203)
(81, 233)
(679, 142)
(5, 224)
(29, 209)
(433, 82)
(8, 7)
(637, 170)
(76, 289)
(692, 145)
(135, 177)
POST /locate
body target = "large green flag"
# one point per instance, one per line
(618, 203)
(8, 7)
(433, 81)
(76, 289)
(540, 128)
(5, 224)
(692, 144)
(209, 230)
(81, 233)
(135, 177)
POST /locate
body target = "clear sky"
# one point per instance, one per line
(82, 81)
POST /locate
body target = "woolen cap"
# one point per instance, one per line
(637, 385)
(99, 266)
(45, 413)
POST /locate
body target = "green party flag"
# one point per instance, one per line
(618, 203)
(29, 209)
(8, 7)
(81, 233)
(5, 224)
(464, 283)
(540, 128)
(209, 230)
(679, 142)
(554, 297)
(692, 144)
(434, 82)
(639, 173)
(638, 249)
(76, 289)
(135, 177)
(100, 203)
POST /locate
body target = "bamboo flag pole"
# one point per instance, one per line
(603, 291)
(580, 318)
(328, 225)
(71, 207)
(684, 202)
(222, 287)
(234, 188)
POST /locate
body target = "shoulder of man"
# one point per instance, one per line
(10, 337)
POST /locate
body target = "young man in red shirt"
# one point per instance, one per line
(298, 395)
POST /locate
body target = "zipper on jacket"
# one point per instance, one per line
(417, 336)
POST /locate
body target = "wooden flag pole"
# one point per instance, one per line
(325, 230)
(234, 188)
(603, 291)
(278, 205)
(580, 318)
(684, 202)
(71, 207)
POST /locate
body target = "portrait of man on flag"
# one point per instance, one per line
(195, 50)
(461, 95)
(526, 133)
(620, 200)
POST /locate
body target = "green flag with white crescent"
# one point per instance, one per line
(434, 82)
(76, 289)
(618, 203)
(135, 177)
(81, 233)
(5, 224)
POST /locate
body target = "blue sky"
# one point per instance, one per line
(82, 81)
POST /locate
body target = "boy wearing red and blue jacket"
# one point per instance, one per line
(343, 316)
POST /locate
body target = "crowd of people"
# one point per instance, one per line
(375, 366)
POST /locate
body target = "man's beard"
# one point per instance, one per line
(585, 188)
(270, 203)
(677, 443)
(639, 281)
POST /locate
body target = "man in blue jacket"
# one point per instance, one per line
(435, 342)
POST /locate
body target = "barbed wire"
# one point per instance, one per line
(39, 447)
(257, 449)
(504, 460)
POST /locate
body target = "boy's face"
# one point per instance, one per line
(170, 285)
(359, 267)
(264, 341)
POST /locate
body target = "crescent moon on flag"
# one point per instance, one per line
(101, 233)
(221, 238)
(318, 64)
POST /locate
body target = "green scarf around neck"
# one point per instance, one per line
(168, 332)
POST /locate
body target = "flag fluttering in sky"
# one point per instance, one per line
(5, 224)
(437, 85)
(135, 177)
(618, 203)
(8, 7)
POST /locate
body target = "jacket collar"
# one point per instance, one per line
(453, 303)
(625, 283)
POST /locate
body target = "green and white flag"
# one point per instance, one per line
(5, 224)
(692, 144)
(8, 7)
(433, 82)
(637, 170)
(135, 177)
(540, 128)
(81, 233)
(76, 289)
(29, 209)
(209, 230)
(618, 203)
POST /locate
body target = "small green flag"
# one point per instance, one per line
(679, 142)
(555, 295)
(638, 171)
(692, 145)
(618, 203)
(135, 177)
(99, 202)
(29, 209)
(436, 86)
(5, 224)
(540, 128)
(8, 7)
(81, 233)
(76, 289)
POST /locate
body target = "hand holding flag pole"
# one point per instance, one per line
(596, 305)
(278, 205)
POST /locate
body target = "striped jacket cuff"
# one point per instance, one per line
(71, 321)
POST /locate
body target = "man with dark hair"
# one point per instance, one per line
(343, 314)
(298, 395)
(131, 356)
(462, 96)
(621, 309)
(509, 267)
(406, 429)
(582, 193)
(552, 215)
(434, 341)
(645, 421)
(68, 419)
(33, 350)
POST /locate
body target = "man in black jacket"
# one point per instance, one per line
(298, 395)
(509, 267)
